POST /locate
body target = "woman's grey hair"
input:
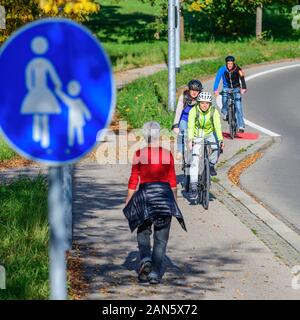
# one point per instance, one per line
(151, 131)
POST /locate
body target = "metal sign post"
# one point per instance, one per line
(68, 200)
(56, 100)
(171, 54)
(58, 234)
(177, 36)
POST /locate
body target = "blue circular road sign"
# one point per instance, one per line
(56, 91)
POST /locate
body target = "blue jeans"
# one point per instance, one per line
(238, 105)
(162, 226)
(183, 125)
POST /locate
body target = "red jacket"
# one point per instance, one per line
(152, 164)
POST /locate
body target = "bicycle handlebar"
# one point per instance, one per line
(207, 143)
(230, 91)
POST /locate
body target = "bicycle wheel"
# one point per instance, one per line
(235, 127)
(186, 175)
(206, 184)
(187, 180)
(231, 122)
(200, 189)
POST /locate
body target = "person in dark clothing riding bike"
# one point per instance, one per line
(185, 103)
(233, 79)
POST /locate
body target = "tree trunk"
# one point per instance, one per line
(259, 16)
(182, 37)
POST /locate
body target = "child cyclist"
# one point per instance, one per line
(203, 125)
(185, 103)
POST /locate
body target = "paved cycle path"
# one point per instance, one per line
(218, 258)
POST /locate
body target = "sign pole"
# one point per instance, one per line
(58, 234)
(171, 58)
(67, 170)
(177, 40)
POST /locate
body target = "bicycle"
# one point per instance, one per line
(204, 180)
(232, 121)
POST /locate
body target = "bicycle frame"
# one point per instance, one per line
(232, 122)
(204, 178)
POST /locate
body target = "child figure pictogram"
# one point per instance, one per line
(78, 112)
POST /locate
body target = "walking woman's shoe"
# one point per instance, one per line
(153, 278)
(144, 270)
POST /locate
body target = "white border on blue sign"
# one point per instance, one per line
(113, 86)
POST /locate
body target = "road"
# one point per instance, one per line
(273, 102)
(218, 258)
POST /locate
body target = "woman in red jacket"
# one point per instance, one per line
(153, 204)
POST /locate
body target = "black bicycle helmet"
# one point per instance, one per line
(195, 85)
(229, 58)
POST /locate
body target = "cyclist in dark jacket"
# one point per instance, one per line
(233, 79)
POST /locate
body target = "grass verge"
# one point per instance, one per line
(6, 153)
(146, 99)
(24, 239)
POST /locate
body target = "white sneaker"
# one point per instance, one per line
(193, 192)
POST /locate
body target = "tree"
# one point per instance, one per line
(20, 12)
(160, 21)
(259, 15)
(228, 16)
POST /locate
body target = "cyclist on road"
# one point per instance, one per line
(203, 125)
(232, 76)
(185, 103)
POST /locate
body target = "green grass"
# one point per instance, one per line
(146, 99)
(240, 151)
(221, 164)
(6, 153)
(127, 31)
(125, 21)
(215, 179)
(24, 239)
(128, 56)
(254, 232)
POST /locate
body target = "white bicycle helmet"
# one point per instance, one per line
(204, 97)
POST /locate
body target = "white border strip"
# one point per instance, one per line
(262, 129)
(254, 76)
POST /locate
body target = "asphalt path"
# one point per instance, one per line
(272, 101)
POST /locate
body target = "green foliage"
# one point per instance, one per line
(227, 17)
(20, 12)
(222, 17)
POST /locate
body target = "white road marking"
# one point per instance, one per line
(262, 129)
(253, 76)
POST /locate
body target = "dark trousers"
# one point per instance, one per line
(162, 226)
